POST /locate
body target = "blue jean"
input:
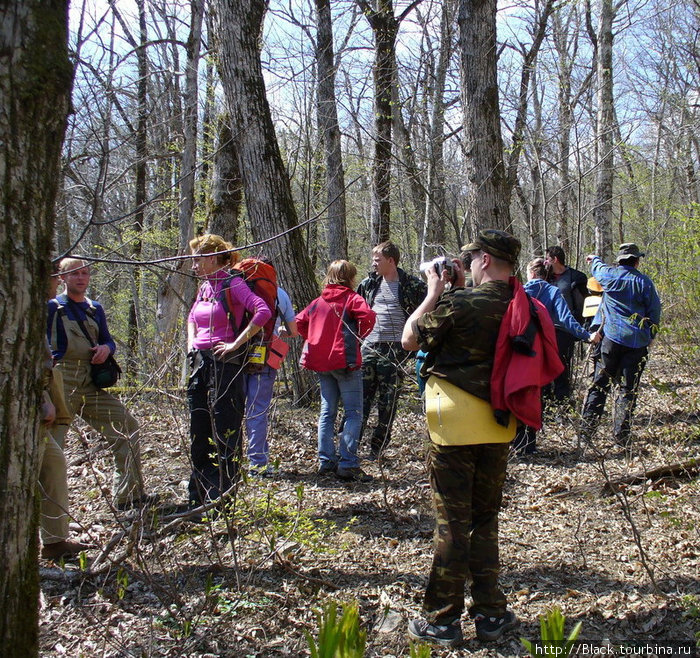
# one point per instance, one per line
(258, 396)
(346, 385)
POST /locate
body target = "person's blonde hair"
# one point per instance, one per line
(341, 273)
(209, 244)
(71, 264)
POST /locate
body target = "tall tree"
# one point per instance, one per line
(271, 211)
(487, 192)
(605, 131)
(565, 38)
(435, 215)
(180, 288)
(385, 27)
(330, 132)
(35, 82)
(527, 72)
(140, 172)
(226, 188)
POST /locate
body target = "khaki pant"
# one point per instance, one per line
(53, 485)
(107, 415)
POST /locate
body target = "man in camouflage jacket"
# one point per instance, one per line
(393, 295)
(459, 330)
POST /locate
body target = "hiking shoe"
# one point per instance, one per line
(353, 475)
(446, 636)
(147, 500)
(64, 549)
(264, 471)
(327, 468)
(491, 628)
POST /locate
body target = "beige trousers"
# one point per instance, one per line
(53, 485)
(107, 415)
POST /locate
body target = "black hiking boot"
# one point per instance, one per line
(446, 636)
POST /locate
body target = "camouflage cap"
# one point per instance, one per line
(628, 250)
(497, 243)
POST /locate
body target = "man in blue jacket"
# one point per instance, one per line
(572, 285)
(631, 312)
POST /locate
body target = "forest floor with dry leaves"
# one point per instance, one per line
(625, 564)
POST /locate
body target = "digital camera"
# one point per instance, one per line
(439, 264)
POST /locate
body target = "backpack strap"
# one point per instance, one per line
(75, 308)
(226, 298)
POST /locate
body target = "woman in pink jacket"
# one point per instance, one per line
(332, 326)
(217, 333)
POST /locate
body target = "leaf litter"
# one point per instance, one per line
(248, 584)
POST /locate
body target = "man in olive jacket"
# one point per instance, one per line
(393, 295)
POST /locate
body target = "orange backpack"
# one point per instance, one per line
(261, 278)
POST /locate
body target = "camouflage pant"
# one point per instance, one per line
(381, 377)
(467, 483)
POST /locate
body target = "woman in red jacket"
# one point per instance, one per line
(332, 326)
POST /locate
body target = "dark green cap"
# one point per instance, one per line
(497, 243)
(628, 250)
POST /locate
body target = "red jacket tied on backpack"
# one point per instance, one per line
(332, 326)
(525, 361)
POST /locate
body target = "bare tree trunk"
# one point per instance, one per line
(209, 128)
(487, 193)
(191, 108)
(268, 195)
(405, 161)
(178, 290)
(560, 32)
(271, 210)
(602, 213)
(384, 26)
(62, 232)
(226, 186)
(330, 133)
(35, 83)
(527, 71)
(140, 191)
(436, 216)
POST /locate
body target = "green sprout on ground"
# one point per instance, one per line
(552, 642)
(122, 583)
(338, 637)
(419, 650)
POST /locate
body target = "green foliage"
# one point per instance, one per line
(691, 603)
(275, 520)
(419, 650)
(169, 622)
(670, 264)
(552, 642)
(223, 602)
(338, 637)
(122, 583)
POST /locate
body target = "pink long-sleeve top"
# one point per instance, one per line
(208, 314)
